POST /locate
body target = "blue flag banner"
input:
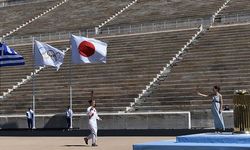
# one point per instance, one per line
(8, 56)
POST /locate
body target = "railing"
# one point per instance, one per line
(176, 59)
(217, 13)
(234, 19)
(114, 16)
(8, 34)
(138, 28)
(19, 2)
(109, 31)
(163, 74)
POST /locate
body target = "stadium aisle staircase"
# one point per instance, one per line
(220, 57)
(133, 60)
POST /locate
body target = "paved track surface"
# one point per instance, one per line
(72, 143)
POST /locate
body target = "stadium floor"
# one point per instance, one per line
(73, 143)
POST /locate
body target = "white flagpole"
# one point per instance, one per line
(1, 40)
(71, 119)
(33, 85)
(70, 86)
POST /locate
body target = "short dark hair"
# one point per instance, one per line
(217, 88)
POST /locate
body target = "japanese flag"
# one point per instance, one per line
(88, 50)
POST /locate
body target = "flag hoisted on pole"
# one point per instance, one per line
(88, 50)
(9, 57)
(33, 85)
(70, 91)
(46, 54)
(85, 50)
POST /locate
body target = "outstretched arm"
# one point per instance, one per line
(201, 94)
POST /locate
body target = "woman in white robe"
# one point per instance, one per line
(93, 117)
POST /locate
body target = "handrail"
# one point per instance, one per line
(115, 30)
(177, 58)
(6, 35)
(137, 28)
(20, 2)
(163, 74)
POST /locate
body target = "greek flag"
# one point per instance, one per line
(45, 54)
(8, 56)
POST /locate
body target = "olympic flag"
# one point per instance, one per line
(45, 54)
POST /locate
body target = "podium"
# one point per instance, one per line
(241, 113)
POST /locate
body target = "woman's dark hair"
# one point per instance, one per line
(217, 88)
(90, 101)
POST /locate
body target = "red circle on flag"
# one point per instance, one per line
(86, 49)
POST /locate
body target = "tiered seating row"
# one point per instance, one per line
(167, 10)
(132, 62)
(220, 57)
(76, 15)
(14, 16)
(237, 7)
(82, 15)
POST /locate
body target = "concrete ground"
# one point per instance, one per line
(73, 143)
